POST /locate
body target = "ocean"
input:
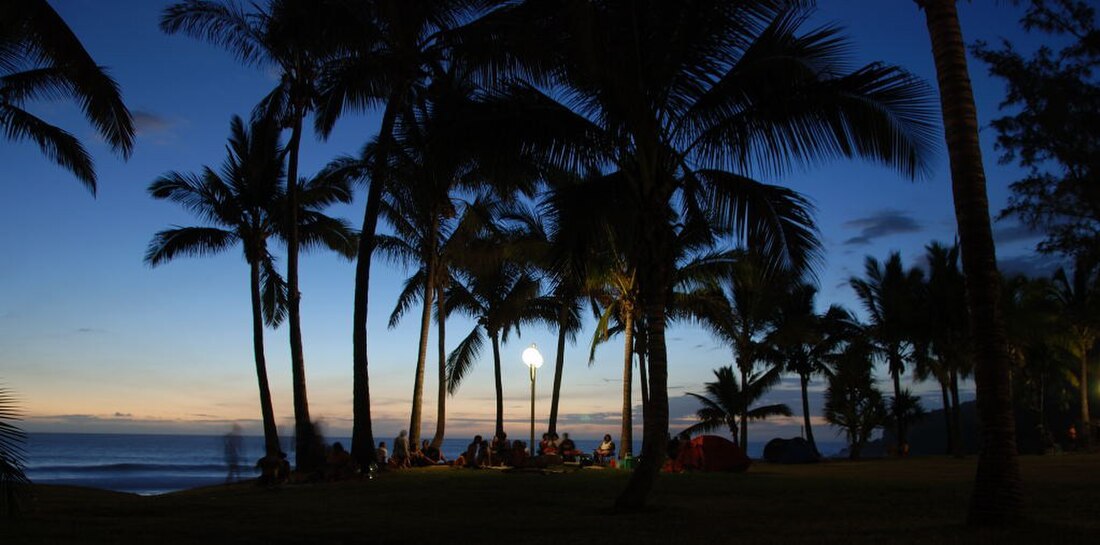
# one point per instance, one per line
(157, 464)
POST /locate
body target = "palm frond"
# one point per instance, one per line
(462, 359)
(58, 145)
(188, 241)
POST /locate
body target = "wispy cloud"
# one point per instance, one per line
(148, 123)
(1006, 232)
(1032, 265)
(882, 223)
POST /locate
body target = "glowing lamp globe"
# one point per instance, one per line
(531, 357)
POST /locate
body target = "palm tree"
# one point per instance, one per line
(13, 478)
(726, 398)
(289, 35)
(1079, 305)
(998, 496)
(852, 402)
(1036, 332)
(245, 203)
(891, 296)
(686, 101)
(498, 293)
(806, 343)
(391, 49)
(42, 58)
(751, 296)
(947, 357)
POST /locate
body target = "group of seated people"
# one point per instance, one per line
(498, 453)
(426, 454)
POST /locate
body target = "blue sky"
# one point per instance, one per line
(94, 340)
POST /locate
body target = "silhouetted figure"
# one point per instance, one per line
(568, 449)
(501, 449)
(382, 454)
(605, 452)
(519, 453)
(234, 449)
(472, 456)
(274, 469)
(339, 465)
(401, 450)
(432, 454)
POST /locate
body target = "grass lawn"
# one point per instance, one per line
(921, 500)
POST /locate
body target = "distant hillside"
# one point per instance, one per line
(929, 436)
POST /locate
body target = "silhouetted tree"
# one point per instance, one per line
(40, 57)
(13, 477)
(997, 497)
(852, 402)
(726, 398)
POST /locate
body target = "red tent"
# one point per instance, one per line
(710, 453)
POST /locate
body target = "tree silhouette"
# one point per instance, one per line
(40, 57)
(726, 398)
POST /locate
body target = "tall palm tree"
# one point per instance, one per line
(726, 398)
(1036, 332)
(245, 203)
(391, 48)
(751, 296)
(13, 477)
(40, 57)
(540, 245)
(686, 101)
(497, 292)
(290, 36)
(806, 343)
(948, 357)
(998, 495)
(891, 296)
(1078, 295)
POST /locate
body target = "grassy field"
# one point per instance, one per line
(892, 501)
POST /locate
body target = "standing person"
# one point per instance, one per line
(234, 449)
(401, 450)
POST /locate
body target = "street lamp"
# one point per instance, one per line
(532, 359)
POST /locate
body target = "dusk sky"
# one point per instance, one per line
(93, 340)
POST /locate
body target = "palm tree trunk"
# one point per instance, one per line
(643, 377)
(1086, 425)
(744, 440)
(362, 433)
(626, 438)
(441, 401)
(421, 359)
(899, 422)
(998, 491)
(305, 457)
(500, 387)
(559, 362)
(654, 283)
(806, 413)
(949, 428)
(271, 432)
(956, 414)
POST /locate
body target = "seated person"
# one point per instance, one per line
(470, 458)
(519, 453)
(543, 443)
(485, 454)
(433, 455)
(605, 452)
(339, 465)
(551, 446)
(400, 451)
(274, 469)
(382, 455)
(568, 449)
(501, 449)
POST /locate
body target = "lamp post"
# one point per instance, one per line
(533, 360)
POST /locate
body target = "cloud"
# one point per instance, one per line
(123, 415)
(87, 330)
(1007, 232)
(147, 123)
(881, 224)
(1032, 265)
